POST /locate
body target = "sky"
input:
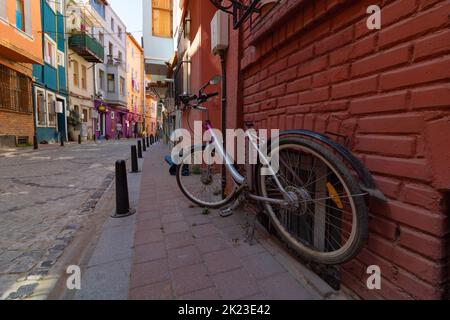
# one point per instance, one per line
(130, 11)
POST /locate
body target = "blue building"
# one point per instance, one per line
(50, 85)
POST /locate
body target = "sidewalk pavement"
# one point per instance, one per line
(180, 253)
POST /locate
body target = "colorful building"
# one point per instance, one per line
(111, 76)
(50, 85)
(85, 51)
(136, 87)
(20, 47)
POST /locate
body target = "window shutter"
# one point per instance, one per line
(27, 6)
(3, 10)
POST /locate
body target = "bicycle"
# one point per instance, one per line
(314, 202)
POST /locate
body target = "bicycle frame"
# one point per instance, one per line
(237, 177)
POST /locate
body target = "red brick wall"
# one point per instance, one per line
(16, 124)
(315, 65)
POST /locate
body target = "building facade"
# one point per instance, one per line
(50, 85)
(316, 65)
(85, 50)
(20, 47)
(158, 51)
(136, 87)
(111, 76)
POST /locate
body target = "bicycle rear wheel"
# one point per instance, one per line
(328, 221)
(201, 182)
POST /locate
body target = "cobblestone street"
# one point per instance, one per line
(45, 196)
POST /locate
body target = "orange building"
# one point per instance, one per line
(20, 47)
(135, 78)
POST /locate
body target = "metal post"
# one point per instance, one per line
(79, 139)
(139, 149)
(144, 145)
(134, 160)
(35, 143)
(122, 199)
(61, 139)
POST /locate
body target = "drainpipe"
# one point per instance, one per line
(224, 114)
(66, 69)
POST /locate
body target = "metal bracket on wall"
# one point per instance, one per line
(238, 9)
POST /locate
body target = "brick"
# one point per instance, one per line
(384, 227)
(157, 291)
(276, 91)
(289, 100)
(355, 87)
(381, 61)
(191, 279)
(314, 95)
(362, 47)
(149, 252)
(429, 71)
(235, 284)
(330, 106)
(283, 287)
(408, 28)
(437, 136)
(419, 266)
(299, 85)
(418, 218)
(268, 104)
(387, 145)
(335, 41)
(436, 44)
(182, 257)
(426, 245)
(401, 123)
(379, 103)
(330, 76)
(411, 168)
(431, 97)
(287, 75)
(301, 56)
(397, 10)
(313, 66)
(390, 187)
(252, 108)
(422, 196)
(221, 261)
(278, 66)
(341, 55)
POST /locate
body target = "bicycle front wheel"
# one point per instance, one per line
(327, 220)
(201, 182)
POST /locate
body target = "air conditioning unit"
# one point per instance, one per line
(219, 32)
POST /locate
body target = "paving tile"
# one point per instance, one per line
(150, 252)
(147, 215)
(175, 227)
(148, 236)
(179, 240)
(149, 224)
(183, 257)
(171, 217)
(198, 220)
(244, 249)
(222, 261)
(157, 291)
(204, 230)
(211, 244)
(204, 294)
(235, 284)
(283, 287)
(262, 265)
(190, 279)
(148, 273)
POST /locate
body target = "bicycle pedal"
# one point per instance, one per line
(224, 213)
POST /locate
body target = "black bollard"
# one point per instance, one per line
(134, 160)
(35, 143)
(152, 140)
(139, 149)
(122, 199)
(79, 139)
(61, 139)
(148, 142)
(144, 145)
(95, 137)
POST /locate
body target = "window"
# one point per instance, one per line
(101, 79)
(52, 4)
(162, 18)
(15, 91)
(111, 83)
(85, 115)
(83, 77)
(122, 86)
(119, 57)
(60, 58)
(3, 10)
(101, 38)
(119, 32)
(51, 109)
(60, 6)
(112, 24)
(50, 51)
(40, 108)
(76, 75)
(20, 15)
(99, 6)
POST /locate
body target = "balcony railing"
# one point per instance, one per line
(87, 47)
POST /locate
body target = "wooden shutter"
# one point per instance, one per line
(3, 10)
(27, 12)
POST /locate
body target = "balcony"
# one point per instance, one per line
(87, 47)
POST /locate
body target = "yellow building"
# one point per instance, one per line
(20, 47)
(136, 89)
